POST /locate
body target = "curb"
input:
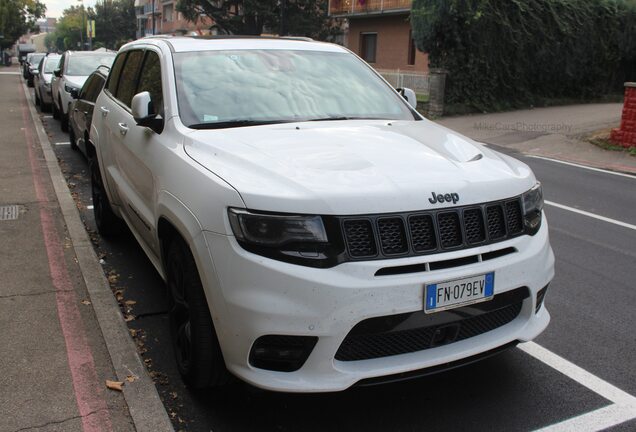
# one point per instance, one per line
(145, 406)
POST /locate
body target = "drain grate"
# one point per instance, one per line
(10, 212)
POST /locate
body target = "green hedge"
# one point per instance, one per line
(502, 54)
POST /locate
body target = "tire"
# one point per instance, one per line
(63, 119)
(108, 224)
(196, 347)
(72, 139)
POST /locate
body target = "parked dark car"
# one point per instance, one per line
(81, 110)
(31, 65)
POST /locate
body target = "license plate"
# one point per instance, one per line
(459, 292)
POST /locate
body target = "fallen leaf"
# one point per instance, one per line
(132, 378)
(86, 302)
(129, 318)
(115, 385)
(133, 332)
(130, 302)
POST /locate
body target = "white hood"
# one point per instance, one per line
(356, 166)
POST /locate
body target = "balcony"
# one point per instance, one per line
(367, 7)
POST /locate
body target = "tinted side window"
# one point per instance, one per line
(128, 78)
(86, 88)
(91, 89)
(150, 80)
(113, 76)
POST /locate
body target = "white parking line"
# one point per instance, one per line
(592, 215)
(89, 207)
(583, 166)
(62, 143)
(623, 406)
(9, 73)
(47, 116)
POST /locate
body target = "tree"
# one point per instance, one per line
(252, 17)
(16, 18)
(115, 23)
(70, 28)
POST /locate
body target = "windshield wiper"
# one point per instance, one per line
(235, 124)
(336, 118)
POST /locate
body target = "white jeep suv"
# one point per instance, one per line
(314, 231)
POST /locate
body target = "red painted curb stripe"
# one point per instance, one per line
(88, 393)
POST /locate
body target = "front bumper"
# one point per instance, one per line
(251, 296)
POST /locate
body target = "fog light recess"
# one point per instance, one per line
(281, 352)
(540, 298)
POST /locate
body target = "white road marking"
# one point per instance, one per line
(593, 421)
(583, 166)
(9, 73)
(623, 406)
(592, 215)
(89, 207)
(62, 143)
(47, 116)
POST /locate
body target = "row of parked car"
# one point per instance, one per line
(68, 85)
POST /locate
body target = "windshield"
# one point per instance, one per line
(35, 59)
(85, 65)
(242, 87)
(51, 64)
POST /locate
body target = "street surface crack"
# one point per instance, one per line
(57, 422)
(53, 291)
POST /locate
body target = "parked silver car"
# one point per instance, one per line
(42, 81)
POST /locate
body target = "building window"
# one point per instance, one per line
(411, 49)
(168, 13)
(368, 46)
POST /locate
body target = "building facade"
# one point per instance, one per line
(166, 19)
(379, 31)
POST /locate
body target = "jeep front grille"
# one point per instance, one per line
(420, 233)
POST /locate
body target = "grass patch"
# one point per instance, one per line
(602, 140)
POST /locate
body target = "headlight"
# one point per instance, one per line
(68, 88)
(532, 207)
(308, 240)
(276, 230)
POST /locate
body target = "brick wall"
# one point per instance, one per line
(392, 43)
(626, 134)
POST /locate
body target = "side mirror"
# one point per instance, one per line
(57, 72)
(35, 72)
(409, 95)
(75, 93)
(143, 111)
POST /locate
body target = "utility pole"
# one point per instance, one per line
(283, 18)
(82, 26)
(153, 17)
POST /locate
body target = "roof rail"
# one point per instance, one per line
(213, 37)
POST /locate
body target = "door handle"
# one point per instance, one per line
(104, 111)
(123, 128)
(85, 113)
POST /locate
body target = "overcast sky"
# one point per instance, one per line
(54, 8)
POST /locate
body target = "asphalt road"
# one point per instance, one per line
(591, 300)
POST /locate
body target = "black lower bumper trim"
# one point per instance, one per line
(404, 376)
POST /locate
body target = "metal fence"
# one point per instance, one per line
(419, 82)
